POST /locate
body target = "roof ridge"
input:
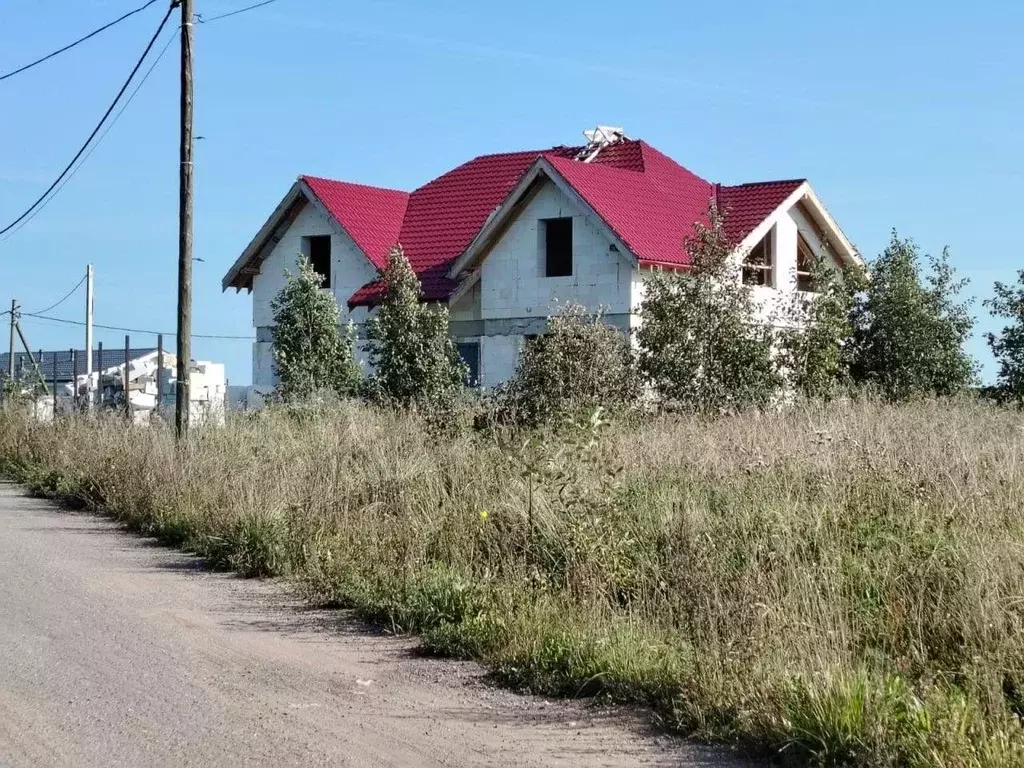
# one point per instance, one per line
(762, 183)
(602, 167)
(304, 176)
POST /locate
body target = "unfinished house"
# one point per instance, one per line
(502, 238)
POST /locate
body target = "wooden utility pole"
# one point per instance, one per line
(181, 406)
(31, 357)
(10, 346)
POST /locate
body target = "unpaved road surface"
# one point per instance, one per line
(116, 652)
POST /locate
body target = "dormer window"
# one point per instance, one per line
(804, 265)
(758, 264)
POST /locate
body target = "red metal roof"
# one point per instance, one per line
(372, 216)
(744, 206)
(651, 210)
(648, 200)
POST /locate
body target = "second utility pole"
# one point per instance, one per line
(182, 394)
(10, 350)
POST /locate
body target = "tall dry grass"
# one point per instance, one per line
(834, 585)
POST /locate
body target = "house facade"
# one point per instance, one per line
(503, 240)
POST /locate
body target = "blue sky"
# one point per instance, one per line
(902, 114)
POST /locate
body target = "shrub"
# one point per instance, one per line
(580, 363)
(415, 360)
(310, 353)
(909, 328)
(815, 345)
(1008, 344)
(702, 346)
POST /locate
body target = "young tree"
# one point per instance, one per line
(909, 332)
(310, 352)
(1008, 344)
(702, 345)
(579, 364)
(415, 360)
(815, 349)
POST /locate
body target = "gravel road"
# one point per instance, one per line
(116, 652)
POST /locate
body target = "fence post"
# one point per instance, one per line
(127, 399)
(99, 376)
(159, 373)
(74, 380)
(53, 379)
(37, 398)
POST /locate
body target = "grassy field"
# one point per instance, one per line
(835, 586)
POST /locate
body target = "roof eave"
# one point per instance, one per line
(849, 252)
(804, 193)
(247, 264)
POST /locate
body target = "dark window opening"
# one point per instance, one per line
(804, 266)
(757, 266)
(318, 249)
(469, 351)
(557, 247)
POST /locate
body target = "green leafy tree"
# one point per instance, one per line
(579, 364)
(702, 346)
(415, 359)
(910, 328)
(311, 353)
(1008, 344)
(815, 347)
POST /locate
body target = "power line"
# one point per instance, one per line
(79, 40)
(135, 330)
(99, 125)
(66, 296)
(98, 141)
(201, 20)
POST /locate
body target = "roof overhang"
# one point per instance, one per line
(247, 266)
(521, 194)
(465, 286)
(822, 219)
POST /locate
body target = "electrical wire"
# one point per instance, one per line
(66, 296)
(99, 125)
(201, 20)
(79, 40)
(227, 337)
(99, 140)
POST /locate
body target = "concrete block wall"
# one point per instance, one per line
(514, 288)
(467, 307)
(263, 365)
(498, 358)
(350, 269)
(512, 281)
